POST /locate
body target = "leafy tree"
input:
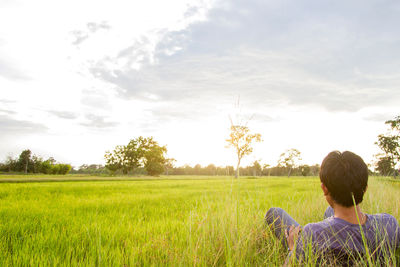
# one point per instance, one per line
(134, 153)
(24, 159)
(266, 169)
(63, 168)
(187, 169)
(154, 156)
(384, 165)
(197, 169)
(55, 169)
(256, 168)
(241, 140)
(169, 165)
(36, 163)
(115, 160)
(11, 164)
(289, 159)
(314, 169)
(91, 169)
(211, 169)
(3, 167)
(229, 170)
(390, 145)
(46, 166)
(305, 170)
(140, 152)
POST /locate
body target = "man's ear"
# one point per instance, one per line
(324, 189)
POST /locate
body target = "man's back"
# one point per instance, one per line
(341, 239)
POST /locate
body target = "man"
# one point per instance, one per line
(346, 234)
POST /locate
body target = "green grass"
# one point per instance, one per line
(205, 221)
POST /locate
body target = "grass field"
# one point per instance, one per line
(204, 221)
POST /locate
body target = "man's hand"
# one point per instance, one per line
(291, 235)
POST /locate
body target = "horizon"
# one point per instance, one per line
(77, 79)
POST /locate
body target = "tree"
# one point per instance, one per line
(91, 169)
(46, 166)
(126, 158)
(139, 152)
(384, 165)
(115, 160)
(305, 170)
(134, 153)
(211, 169)
(256, 168)
(241, 140)
(24, 159)
(55, 169)
(390, 145)
(36, 163)
(197, 169)
(154, 156)
(64, 169)
(266, 169)
(229, 170)
(289, 159)
(11, 164)
(169, 165)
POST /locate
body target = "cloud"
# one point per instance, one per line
(10, 112)
(95, 99)
(92, 27)
(7, 101)
(9, 71)
(379, 117)
(274, 53)
(99, 122)
(263, 117)
(63, 114)
(262, 79)
(79, 36)
(180, 112)
(10, 126)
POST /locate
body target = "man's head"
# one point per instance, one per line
(344, 174)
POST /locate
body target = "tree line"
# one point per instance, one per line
(145, 156)
(254, 169)
(29, 163)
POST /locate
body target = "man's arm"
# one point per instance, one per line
(291, 237)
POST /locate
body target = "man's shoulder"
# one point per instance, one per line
(384, 220)
(386, 226)
(382, 217)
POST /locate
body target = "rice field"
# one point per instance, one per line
(170, 221)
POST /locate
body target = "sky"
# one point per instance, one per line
(78, 78)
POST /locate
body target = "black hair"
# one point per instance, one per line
(345, 175)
